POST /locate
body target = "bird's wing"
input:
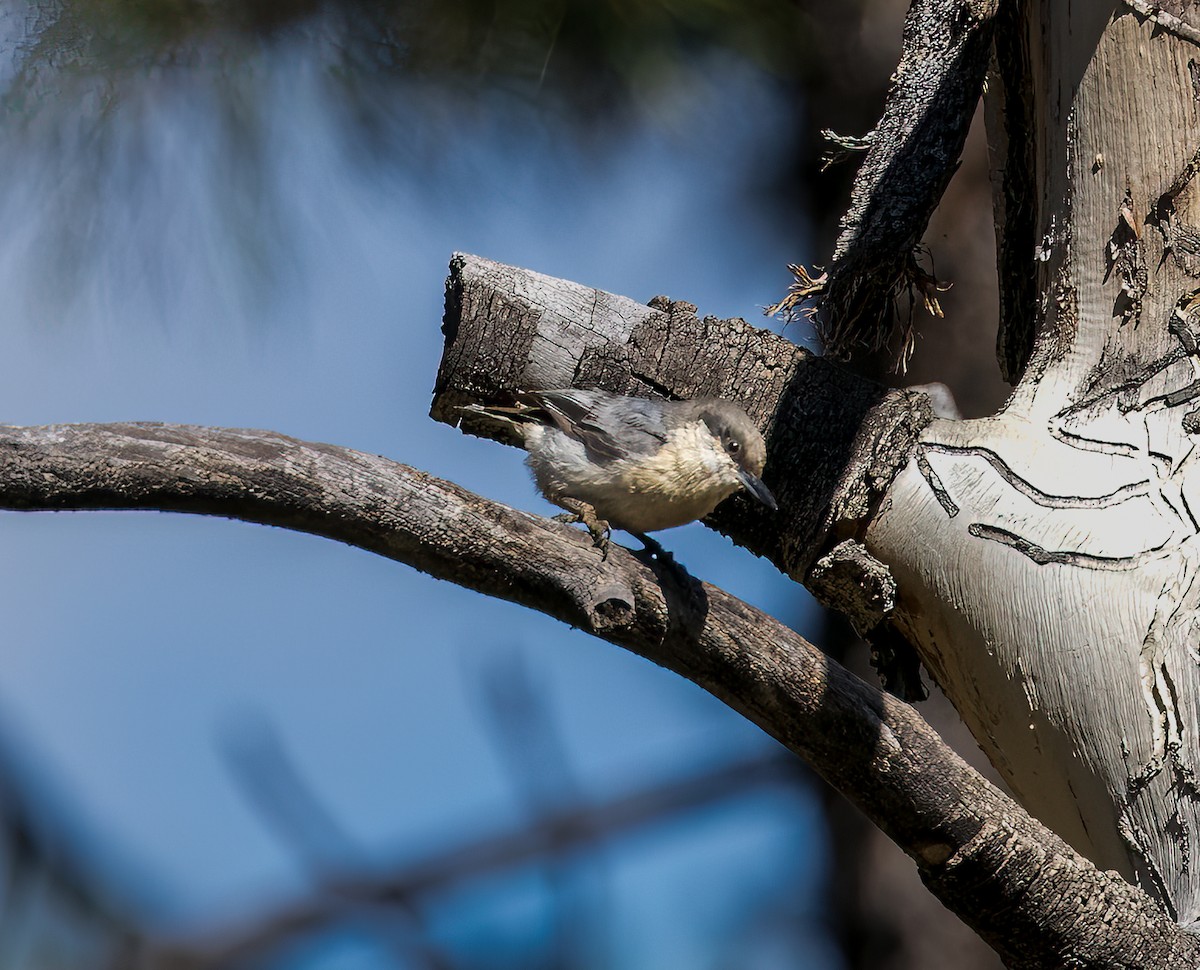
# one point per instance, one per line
(608, 427)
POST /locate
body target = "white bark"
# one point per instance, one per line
(1047, 559)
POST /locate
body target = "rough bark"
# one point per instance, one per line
(508, 328)
(1076, 761)
(1044, 560)
(1037, 901)
(910, 157)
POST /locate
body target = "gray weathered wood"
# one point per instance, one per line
(967, 599)
(910, 157)
(509, 328)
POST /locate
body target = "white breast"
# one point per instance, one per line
(682, 482)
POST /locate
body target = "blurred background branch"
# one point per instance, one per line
(566, 842)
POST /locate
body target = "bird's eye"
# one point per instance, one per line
(733, 447)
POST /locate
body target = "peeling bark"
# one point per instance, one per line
(1046, 558)
(974, 531)
(1046, 561)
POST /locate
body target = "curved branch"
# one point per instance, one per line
(1022, 888)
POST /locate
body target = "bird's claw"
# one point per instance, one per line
(600, 537)
(597, 527)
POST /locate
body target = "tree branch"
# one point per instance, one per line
(1021, 887)
(1176, 21)
(911, 156)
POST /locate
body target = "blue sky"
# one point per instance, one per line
(305, 297)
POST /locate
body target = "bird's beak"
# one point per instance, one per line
(756, 488)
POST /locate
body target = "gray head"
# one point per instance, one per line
(741, 440)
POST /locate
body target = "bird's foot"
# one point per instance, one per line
(582, 512)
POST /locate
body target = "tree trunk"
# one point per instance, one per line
(1046, 559)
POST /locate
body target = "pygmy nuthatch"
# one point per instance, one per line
(635, 464)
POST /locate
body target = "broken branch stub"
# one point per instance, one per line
(834, 439)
